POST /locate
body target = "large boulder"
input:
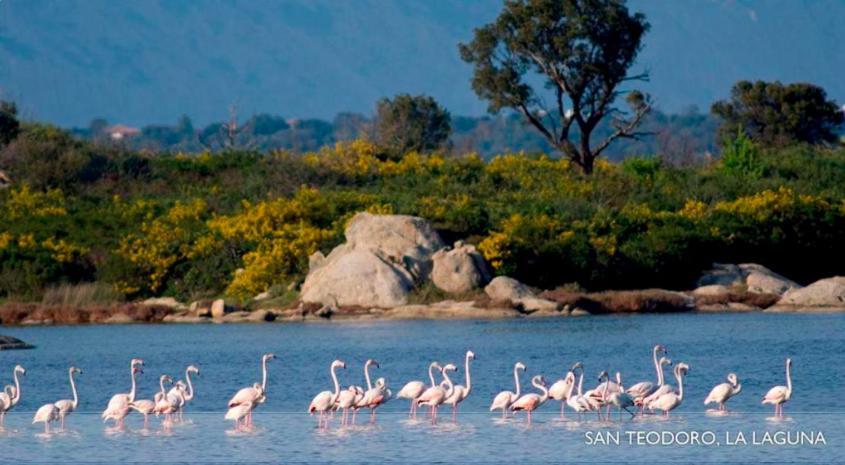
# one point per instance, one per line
(828, 292)
(383, 257)
(9, 342)
(460, 269)
(503, 288)
(755, 278)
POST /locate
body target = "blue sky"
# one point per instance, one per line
(69, 61)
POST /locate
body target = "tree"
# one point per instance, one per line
(775, 114)
(408, 123)
(9, 125)
(580, 50)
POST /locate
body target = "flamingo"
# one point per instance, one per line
(721, 393)
(576, 400)
(662, 388)
(163, 405)
(145, 407)
(324, 401)
(670, 401)
(561, 388)
(644, 388)
(67, 406)
(118, 406)
(414, 389)
(239, 413)
(375, 397)
(11, 395)
(435, 396)
(347, 400)
(254, 395)
(504, 399)
(621, 400)
(47, 413)
(461, 392)
(181, 393)
(779, 395)
(530, 402)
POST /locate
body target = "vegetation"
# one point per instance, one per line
(238, 223)
(411, 123)
(580, 52)
(775, 114)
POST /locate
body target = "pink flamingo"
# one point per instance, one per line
(414, 389)
(254, 395)
(530, 402)
(435, 396)
(461, 392)
(118, 407)
(11, 395)
(504, 399)
(325, 400)
(780, 395)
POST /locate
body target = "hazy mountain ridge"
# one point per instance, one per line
(142, 62)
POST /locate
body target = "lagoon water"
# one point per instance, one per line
(752, 345)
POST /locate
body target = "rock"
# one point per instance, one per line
(754, 277)
(261, 316)
(119, 318)
(383, 257)
(828, 293)
(168, 302)
(723, 274)
(9, 343)
(201, 308)
(505, 288)
(579, 312)
(239, 316)
(535, 304)
(762, 280)
(448, 309)
(461, 269)
(184, 318)
(741, 307)
(219, 309)
(711, 289)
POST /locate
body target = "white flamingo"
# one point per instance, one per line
(324, 401)
(375, 397)
(435, 396)
(504, 399)
(645, 388)
(621, 400)
(239, 412)
(561, 388)
(780, 395)
(414, 389)
(67, 406)
(662, 388)
(670, 401)
(180, 394)
(11, 395)
(145, 407)
(576, 400)
(347, 400)
(254, 395)
(164, 406)
(461, 392)
(118, 406)
(721, 393)
(532, 401)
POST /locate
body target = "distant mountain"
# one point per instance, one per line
(69, 61)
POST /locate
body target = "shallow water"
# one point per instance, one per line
(752, 345)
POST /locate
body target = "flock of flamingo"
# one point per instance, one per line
(646, 395)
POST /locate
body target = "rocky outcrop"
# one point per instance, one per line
(825, 294)
(168, 302)
(383, 258)
(460, 269)
(753, 277)
(9, 343)
(503, 288)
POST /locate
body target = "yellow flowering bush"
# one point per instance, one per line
(24, 202)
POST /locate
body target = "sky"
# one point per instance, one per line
(151, 61)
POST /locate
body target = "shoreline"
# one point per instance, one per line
(15, 314)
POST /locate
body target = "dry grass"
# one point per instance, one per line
(81, 295)
(639, 301)
(16, 313)
(748, 298)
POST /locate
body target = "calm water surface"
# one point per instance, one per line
(752, 345)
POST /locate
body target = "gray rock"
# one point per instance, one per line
(9, 343)
(505, 288)
(723, 274)
(383, 257)
(461, 269)
(711, 289)
(762, 280)
(168, 302)
(828, 292)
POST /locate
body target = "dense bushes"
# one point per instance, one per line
(238, 223)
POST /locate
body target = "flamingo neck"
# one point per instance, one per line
(367, 375)
(516, 380)
(619, 382)
(545, 396)
(17, 388)
(264, 374)
(132, 391)
(431, 374)
(606, 387)
(73, 389)
(190, 394)
(336, 385)
(570, 389)
(581, 383)
(658, 368)
(449, 383)
(161, 384)
(469, 382)
(788, 382)
(680, 378)
(736, 389)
